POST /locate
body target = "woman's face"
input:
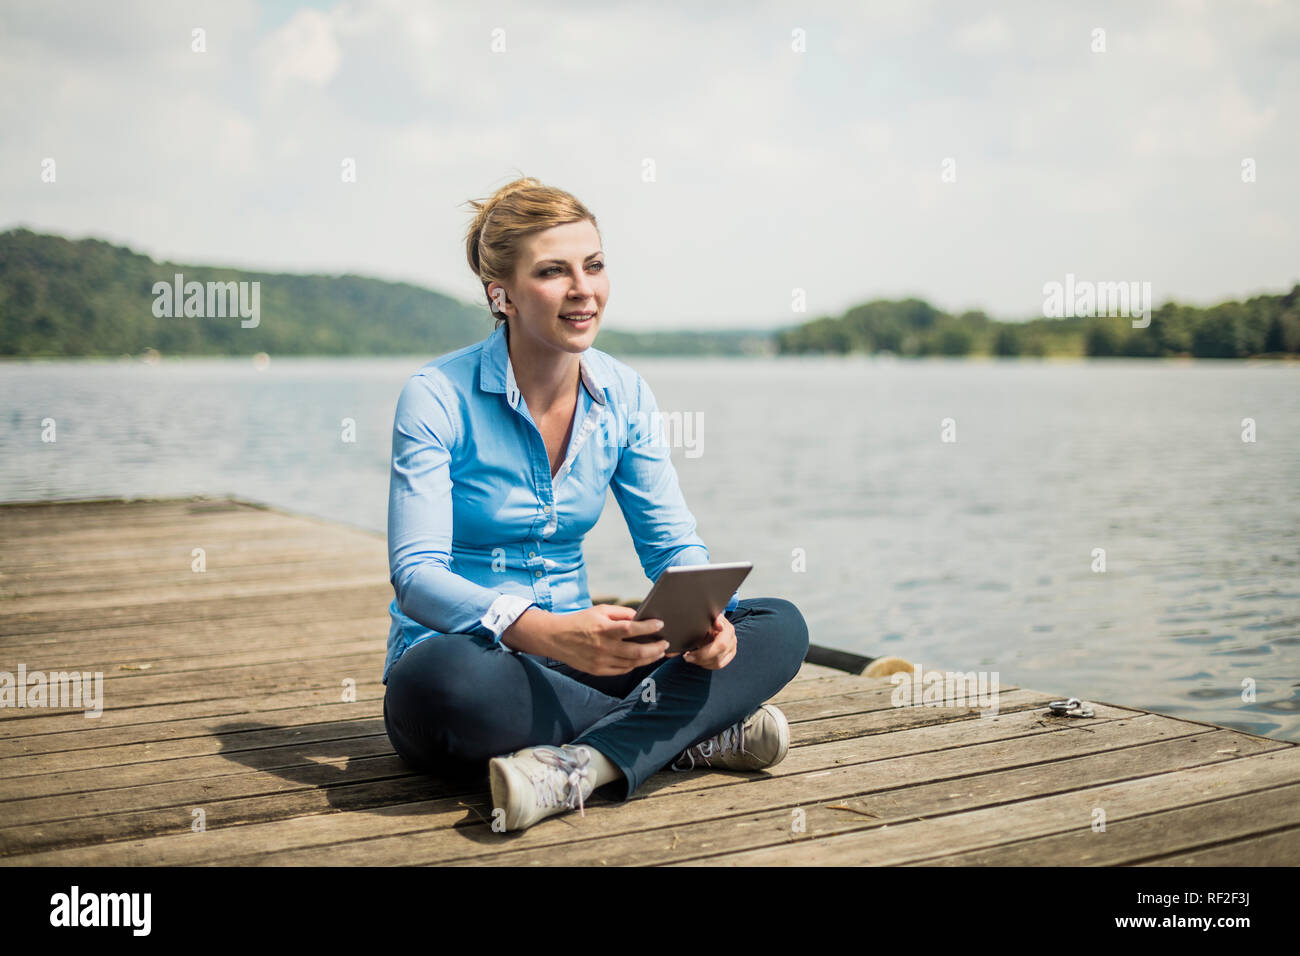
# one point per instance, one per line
(561, 270)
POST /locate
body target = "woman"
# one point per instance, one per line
(495, 650)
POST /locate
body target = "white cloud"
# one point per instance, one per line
(985, 37)
(304, 49)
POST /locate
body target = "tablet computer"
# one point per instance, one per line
(688, 599)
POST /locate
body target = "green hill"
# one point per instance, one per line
(62, 297)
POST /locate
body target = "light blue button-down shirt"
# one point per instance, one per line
(478, 531)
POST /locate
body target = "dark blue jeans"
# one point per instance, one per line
(454, 701)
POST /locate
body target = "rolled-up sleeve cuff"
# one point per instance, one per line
(504, 611)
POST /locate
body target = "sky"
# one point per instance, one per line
(750, 165)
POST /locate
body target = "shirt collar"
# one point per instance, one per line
(497, 374)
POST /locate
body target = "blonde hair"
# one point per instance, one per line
(515, 211)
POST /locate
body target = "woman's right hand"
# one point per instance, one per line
(594, 640)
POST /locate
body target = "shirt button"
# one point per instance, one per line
(532, 554)
(546, 509)
(537, 574)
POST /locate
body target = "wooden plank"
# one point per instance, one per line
(32, 797)
(202, 737)
(322, 601)
(884, 720)
(931, 839)
(81, 542)
(868, 698)
(809, 671)
(251, 529)
(180, 583)
(201, 670)
(18, 518)
(273, 646)
(69, 813)
(1136, 839)
(138, 572)
(249, 537)
(203, 638)
(114, 837)
(812, 687)
(136, 689)
(153, 721)
(1281, 848)
(209, 587)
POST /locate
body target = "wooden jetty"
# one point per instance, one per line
(242, 724)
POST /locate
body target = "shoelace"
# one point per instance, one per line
(731, 740)
(572, 770)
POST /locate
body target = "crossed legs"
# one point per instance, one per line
(454, 701)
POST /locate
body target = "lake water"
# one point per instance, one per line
(831, 476)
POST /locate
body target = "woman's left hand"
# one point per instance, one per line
(719, 650)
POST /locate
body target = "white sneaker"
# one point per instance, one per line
(759, 741)
(538, 782)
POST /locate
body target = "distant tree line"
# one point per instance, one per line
(61, 297)
(1263, 325)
